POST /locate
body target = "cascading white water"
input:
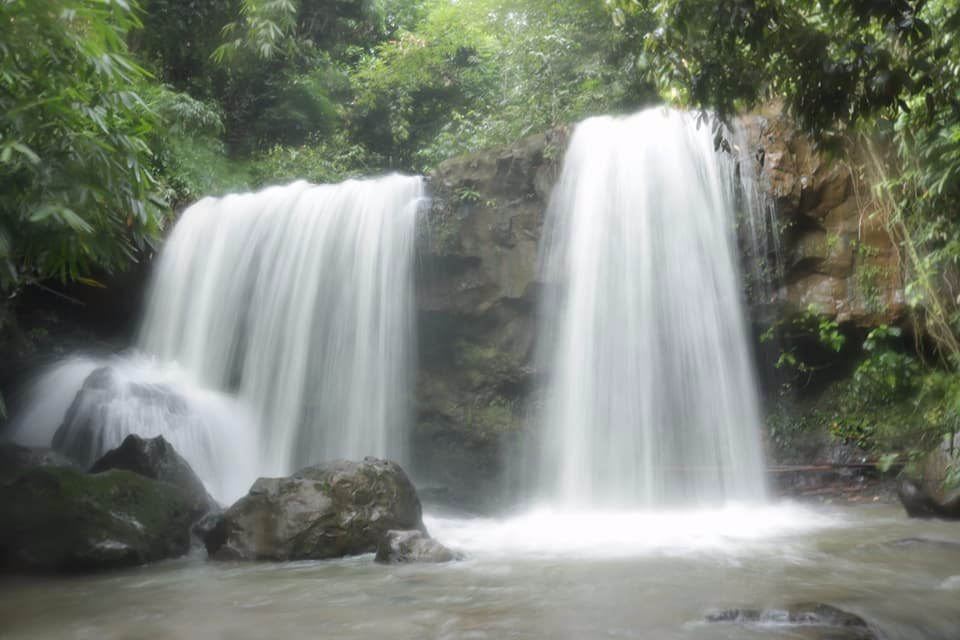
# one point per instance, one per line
(301, 299)
(649, 398)
(295, 306)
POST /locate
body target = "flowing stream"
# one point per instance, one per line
(650, 398)
(530, 577)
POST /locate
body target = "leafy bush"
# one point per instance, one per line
(886, 374)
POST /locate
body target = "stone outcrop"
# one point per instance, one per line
(477, 293)
(400, 547)
(61, 519)
(155, 458)
(326, 511)
(837, 256)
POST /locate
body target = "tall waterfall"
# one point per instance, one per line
(279, 332)
(649, 398)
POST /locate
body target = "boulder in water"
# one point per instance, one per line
(325, 511)
(920, 502)
(398, 547)
(831, 623)
(83, 436)
(157, 459)
(62, 519)
(14, 457)
(928, 489)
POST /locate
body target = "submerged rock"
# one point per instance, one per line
(14, 457)
(927, 543)
(157, 459)
(398, 547)
(831, 623)
(325, 511)
(61, 519)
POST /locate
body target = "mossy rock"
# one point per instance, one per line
(61, 519)
(156, 458)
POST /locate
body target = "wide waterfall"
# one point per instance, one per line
(649, 396)
(279, 332)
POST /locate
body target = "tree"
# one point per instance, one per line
(76, 191)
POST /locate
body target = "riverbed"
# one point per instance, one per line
(538, 574)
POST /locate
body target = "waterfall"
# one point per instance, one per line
(649, 397)
(279, 332)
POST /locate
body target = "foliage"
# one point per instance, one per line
(836, 62)
(189, 155)
(77, 190)
(886, 373)
(481, 72)
(329, 160)
(891, 405)
(797, 331)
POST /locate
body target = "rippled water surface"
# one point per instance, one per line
(539, 575)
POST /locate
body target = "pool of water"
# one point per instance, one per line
(539, 574)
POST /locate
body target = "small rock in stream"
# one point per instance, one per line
(398, 547)
(829, 622)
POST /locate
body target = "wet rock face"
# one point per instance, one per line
(477, 292)
(400, 547)
(61, 519)
(837, 256)
(326, 511)
(155, 458)
(827, 622)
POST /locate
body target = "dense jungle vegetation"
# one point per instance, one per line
(116, 113)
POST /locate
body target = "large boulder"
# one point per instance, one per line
(157, 459)
(61, 519)
(920, 502)
(14, 457)
(326, 511)
(108, 405)
(928, 489)
(400, 547)
(829, 623)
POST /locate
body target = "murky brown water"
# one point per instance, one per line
(651, 578)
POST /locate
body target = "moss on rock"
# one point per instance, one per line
(61, 519)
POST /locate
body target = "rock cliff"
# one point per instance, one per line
(837, 258)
